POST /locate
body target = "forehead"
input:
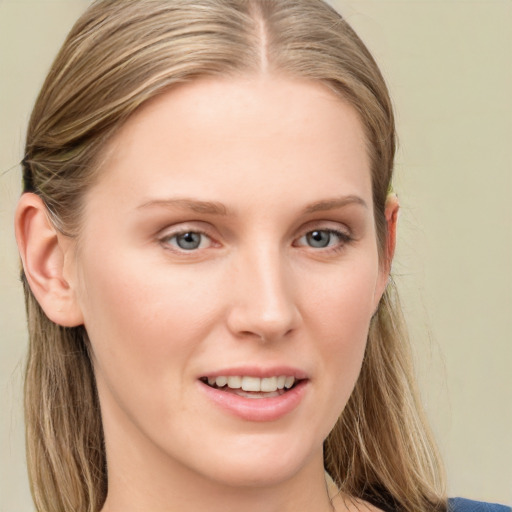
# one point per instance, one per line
(249, 133)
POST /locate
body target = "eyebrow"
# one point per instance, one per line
(335, 203)
(206, 207)
(216, 208)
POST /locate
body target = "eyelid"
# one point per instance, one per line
(325, 225)
(181, 227)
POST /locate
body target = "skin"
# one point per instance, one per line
(279, 158)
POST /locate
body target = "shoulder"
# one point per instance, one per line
(464, 505)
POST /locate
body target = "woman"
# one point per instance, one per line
(206, 234)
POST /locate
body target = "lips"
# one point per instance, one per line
(256, 395)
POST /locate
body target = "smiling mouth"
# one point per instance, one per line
(252, 387)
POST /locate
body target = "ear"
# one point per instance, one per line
(391, 213)
(45, 254)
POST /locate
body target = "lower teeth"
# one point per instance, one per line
(255, 394)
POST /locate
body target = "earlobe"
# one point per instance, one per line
(43, 252)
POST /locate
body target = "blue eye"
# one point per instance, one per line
(323, 239)
(188, 241)
(319, 239)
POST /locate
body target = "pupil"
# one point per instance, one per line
(189, 241)
(319, 238)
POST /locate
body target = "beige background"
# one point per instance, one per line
(448, 64)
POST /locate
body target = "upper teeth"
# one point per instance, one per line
(266, 384)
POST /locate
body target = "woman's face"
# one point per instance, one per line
(229, 242)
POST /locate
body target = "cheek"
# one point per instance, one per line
(344, 300)
(146, 324)
(340, 316)
(141, 318)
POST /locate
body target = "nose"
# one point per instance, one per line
(264, 303)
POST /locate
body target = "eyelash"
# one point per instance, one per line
(165, 240)
(343, 239)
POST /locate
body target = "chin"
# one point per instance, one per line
(262, 464)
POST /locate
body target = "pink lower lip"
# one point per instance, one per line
(257, 409)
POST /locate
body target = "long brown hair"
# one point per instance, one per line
(120, 54)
